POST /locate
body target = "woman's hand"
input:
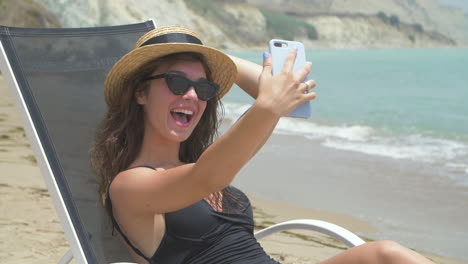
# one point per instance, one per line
(285, 91)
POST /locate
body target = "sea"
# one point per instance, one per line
(406, 107)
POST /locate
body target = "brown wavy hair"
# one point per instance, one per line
(119, 137)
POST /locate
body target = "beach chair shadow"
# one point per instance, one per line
(56, 78)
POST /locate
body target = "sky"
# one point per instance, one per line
(463, 4)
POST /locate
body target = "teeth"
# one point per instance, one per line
(182, 111)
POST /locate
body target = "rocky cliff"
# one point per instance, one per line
(432, 16)
(233, 24)
(26, 13)
(373, 32)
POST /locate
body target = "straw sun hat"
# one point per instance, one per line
(164, 41)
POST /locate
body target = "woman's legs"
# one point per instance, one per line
(382, 252)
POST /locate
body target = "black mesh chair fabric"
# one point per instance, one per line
(60, 73)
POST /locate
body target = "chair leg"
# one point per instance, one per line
(67, 258)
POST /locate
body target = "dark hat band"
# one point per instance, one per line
(172, 38)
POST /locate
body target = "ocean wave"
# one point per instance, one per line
(405, 147)
(451, 154)
(314, 131)
(302, 127)
(233, 111)
(441, 153)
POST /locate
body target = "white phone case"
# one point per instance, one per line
(279, 49)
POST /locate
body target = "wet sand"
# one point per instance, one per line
(407, 202)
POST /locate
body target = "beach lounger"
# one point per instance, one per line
(56, 78)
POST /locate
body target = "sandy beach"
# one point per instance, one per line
(30, 231)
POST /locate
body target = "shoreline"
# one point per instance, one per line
(30, 223)
(265, 48)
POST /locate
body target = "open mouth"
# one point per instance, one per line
(182, 116)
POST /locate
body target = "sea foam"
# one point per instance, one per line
(452, 155)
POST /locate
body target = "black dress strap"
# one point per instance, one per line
(116, 225)
(141, 166)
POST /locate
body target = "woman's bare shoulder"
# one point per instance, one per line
(132, 177)
(159, 190)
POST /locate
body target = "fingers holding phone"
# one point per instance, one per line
(280, 57)
(289, 61)
(284, 91)
(309, 85)
(302, 74)
(284, 79)
(299, 73)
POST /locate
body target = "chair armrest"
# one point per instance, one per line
(337, 232)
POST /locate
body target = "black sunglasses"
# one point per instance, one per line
(179, 85)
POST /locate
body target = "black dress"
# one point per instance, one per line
(199, 234)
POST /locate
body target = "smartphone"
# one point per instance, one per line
(279, 50)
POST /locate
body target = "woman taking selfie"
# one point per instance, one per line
(163, 179)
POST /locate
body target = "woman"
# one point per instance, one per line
(163, 180)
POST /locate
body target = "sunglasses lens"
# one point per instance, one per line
(177, 84)
(206, 90)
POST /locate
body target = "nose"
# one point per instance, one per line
(190, 94)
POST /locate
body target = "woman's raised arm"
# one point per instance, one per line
(172, 189)
(248, 74)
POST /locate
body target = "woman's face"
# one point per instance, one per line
(169, 116)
